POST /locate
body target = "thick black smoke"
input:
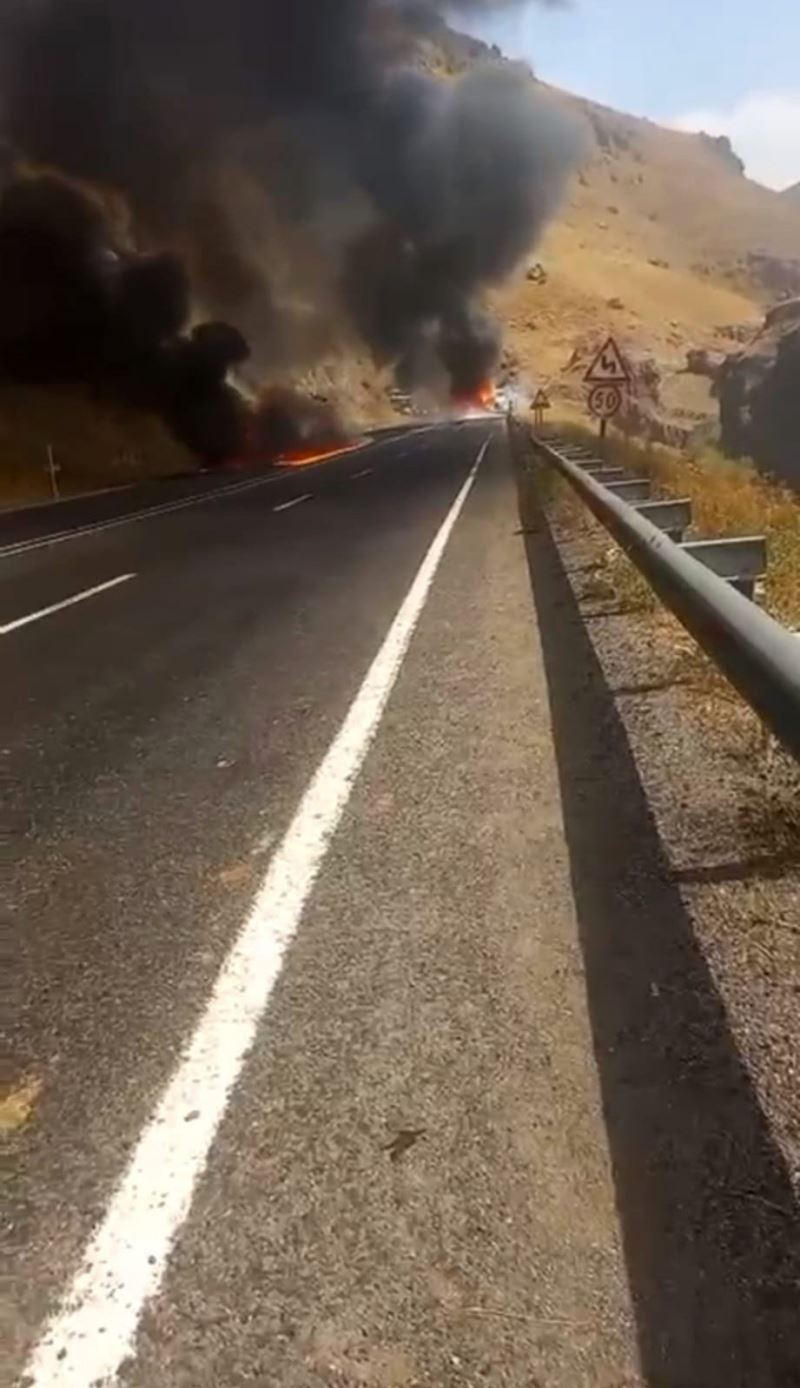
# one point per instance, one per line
(74, 307)
(306, 180)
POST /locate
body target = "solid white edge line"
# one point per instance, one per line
(295, 501)
(218, 494)
(67, 602)
(93, 527)
(93, 1332)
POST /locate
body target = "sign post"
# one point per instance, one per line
(607, 377)
(540, 403)
(53, 470)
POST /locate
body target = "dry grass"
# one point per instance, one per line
(728, 498)
(94, 444)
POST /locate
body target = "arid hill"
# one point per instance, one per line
(665, 243)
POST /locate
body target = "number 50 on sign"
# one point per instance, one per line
(605, 401)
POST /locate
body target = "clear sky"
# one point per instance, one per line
(730, 66)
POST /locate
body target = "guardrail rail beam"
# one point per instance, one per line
(759, 656)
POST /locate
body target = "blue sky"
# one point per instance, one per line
(731, 65)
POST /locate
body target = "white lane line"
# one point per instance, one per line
(295, 501)
(60, 536)
(94, 1330)
(365, 472)
(67, 602)
(218, 494)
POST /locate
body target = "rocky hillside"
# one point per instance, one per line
(664, 242)
(759, 394)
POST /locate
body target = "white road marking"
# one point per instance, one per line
(365, 472)
(60, 536)
(94, 1330)
(67, 602)
(295, 501)
(217, 494)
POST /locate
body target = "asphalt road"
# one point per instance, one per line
(299, 1024)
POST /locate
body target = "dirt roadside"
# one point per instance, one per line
(694, 990)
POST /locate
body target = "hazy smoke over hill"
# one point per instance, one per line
(310, 182)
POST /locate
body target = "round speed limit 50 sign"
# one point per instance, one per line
(605, 401)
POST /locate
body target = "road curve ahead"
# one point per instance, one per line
(302, 1083)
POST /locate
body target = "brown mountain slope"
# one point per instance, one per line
(792, 193)
(664, 242)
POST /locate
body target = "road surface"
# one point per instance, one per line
(301, 1056)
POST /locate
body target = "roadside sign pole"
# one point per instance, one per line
(540, 403)
(52, 470)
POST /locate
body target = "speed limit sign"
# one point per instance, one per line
(605, 401)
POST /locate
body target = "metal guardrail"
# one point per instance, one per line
(759, 656)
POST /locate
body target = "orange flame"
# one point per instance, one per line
(302, 458)
(483, 398)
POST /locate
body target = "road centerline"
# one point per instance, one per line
(19, 547)
(294, 501)
(94, 1330)
(66, 602)
(131, 517)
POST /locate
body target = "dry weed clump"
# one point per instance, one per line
(729, 497)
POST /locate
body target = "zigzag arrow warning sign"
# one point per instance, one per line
(608, 367)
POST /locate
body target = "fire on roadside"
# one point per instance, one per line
(484, 397)
(302, 458)
(288, 428)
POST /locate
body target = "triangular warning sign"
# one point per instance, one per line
(608, 367)
(542, 401)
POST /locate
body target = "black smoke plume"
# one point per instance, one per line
(274, 147)
(75, 307)
(287, 425)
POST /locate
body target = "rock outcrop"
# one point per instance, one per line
(724, 150)
(759, 395)
(779, 275)
(702, 362)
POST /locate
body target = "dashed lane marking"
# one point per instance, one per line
(166, 508)
(94, 527)
(295, 501)
(67, 602)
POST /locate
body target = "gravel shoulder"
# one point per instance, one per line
(683, 835)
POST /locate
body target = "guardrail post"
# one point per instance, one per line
(759, 656)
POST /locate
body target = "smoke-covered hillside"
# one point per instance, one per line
(284, 169)
(329, 197)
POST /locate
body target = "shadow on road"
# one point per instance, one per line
(710, 1227)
